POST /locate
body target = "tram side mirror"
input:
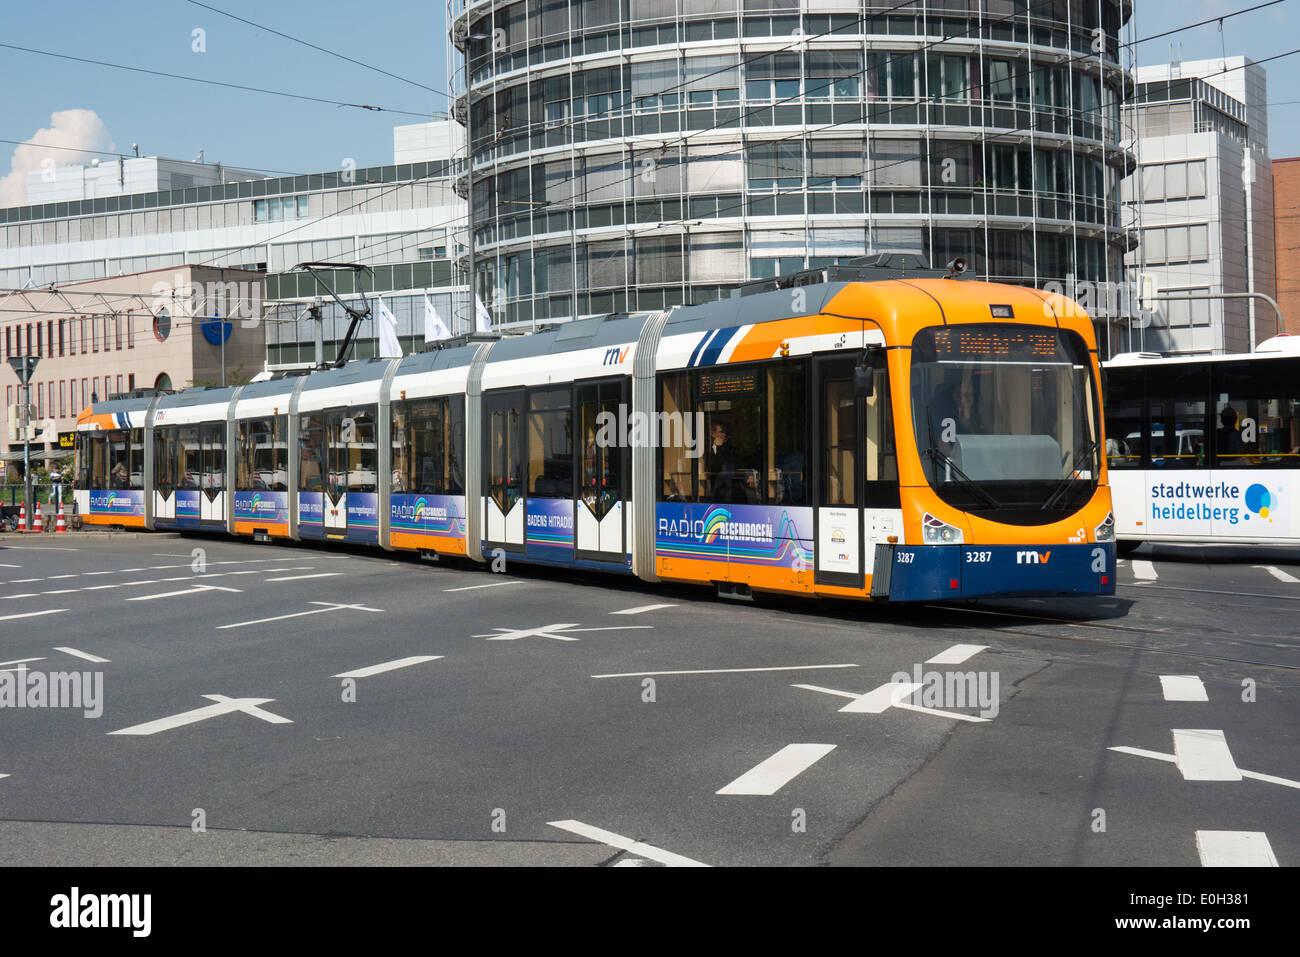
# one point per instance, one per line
(864, 373)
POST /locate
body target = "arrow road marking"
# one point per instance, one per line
(1282, 577)
(388, 666)
(223, 705)
(626, 844)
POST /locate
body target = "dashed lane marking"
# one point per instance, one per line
(83, 654)
(513, 581)
(184, 591)
(1234, 849)
(955, 655)
(1202, 755)
(1280, 576)
(21, 663)
(33, 614)
(626, 844)
(1144, 569)
(298, 578)
(780, 769)
(1183, 688)
(728, 671)
(641, 609)
(379, 669)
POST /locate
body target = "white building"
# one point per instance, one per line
(120, 218)
(1202, 199)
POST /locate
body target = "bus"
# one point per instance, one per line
(1205, 448)
(855, 431)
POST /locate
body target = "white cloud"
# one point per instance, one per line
(81, 131)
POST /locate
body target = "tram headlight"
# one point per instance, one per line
(937, 532)
(1105, 532)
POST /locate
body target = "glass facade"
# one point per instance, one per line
(636, 154)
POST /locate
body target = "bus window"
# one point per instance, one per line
(1177, 425)
(1123, 408)
(1257, 414)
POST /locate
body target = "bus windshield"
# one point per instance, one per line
(1006, 419)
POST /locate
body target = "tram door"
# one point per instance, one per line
(503, 470)
(602, 456)
(858, 505)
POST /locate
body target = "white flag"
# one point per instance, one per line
(386, 322)
(482, 318)
(434, 327)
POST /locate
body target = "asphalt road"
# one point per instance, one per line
(534, 717)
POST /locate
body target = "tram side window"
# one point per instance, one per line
(602, 453)
(504, 451)
(428, 446)
(213, 474)
(362, 449)
(96, 462)
(881, 455)
(84, 445)
(311, 443)
(1123, 408)
(1257, 414)
(262, 462)
(1176, 430)
(754, 434)
(550, 444)
(840, 443)
(336, 454)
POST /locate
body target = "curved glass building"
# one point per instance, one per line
(633, 154)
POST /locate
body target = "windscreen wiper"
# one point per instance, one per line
(940, 459)
(1065, 480)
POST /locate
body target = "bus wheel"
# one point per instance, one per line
(1126, 546)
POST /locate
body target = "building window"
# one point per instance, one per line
(163, 383)
(63, 397)
(130, 330)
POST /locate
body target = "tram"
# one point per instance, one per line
(1206, 448)
(870, 431)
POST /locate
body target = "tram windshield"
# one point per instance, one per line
(1006, 420)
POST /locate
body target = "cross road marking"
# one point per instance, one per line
(549, 631)
(388, 666)
(328, 606)
(223, 705)
(874, 701)
(780, 769)
(626, 844)
(1173, 759)
(1234, 849)
(184, 591)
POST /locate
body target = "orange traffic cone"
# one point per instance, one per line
(38, 527)
(60, 526)
(22, 517)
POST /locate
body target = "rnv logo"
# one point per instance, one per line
(1032, 558)
(75, 910)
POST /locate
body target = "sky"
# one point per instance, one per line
(58, 102)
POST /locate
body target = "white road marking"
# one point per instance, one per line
(725, 671)
(57, 577)
(1183, 688)
(99, 573)
(33, 614)
(626, 844)
(223, 705)
(513, 581)
(4, 775)
(20, 662)
(879, 699)
(1144, 569)
(514, 634)
(625, 862)
(780, 769)
(1253, 775)
(974, 718)
(102, 588)
(83, 654)
(329, 606)
(1234, 849)
(1282, 577)
(184, 591)
(26, 594)
(5, 565)
(61, 591)
(955, 655)
(295, 578)
(641, 609)
(24, 581)
(388, 666)
(1203, 755)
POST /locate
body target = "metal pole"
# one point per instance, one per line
(1232, 295)
(27, 445)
